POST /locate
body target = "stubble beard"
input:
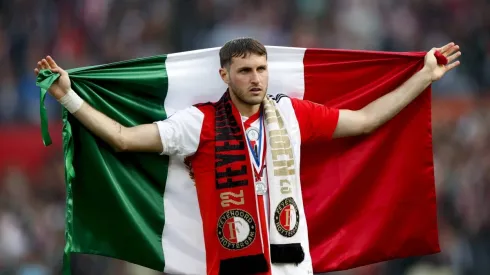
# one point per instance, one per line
(241, 96)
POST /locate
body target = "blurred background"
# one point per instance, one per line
(87, 32)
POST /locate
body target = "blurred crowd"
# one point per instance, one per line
(88, 32)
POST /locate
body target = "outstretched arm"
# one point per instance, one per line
(141, 138)
(381, 110)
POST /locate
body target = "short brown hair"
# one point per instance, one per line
(240, 47)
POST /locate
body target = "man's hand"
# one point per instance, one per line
(62, 85)
(436, 71)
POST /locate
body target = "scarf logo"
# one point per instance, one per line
(236, 229)
(286, 217)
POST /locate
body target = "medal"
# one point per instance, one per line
(253, 137)
(260, 188)
(252, 134)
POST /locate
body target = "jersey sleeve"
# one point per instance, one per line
(180, 133)
(316, 121)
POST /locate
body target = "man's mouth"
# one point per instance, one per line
(255, 89)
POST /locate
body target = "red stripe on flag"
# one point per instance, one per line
(369, 198)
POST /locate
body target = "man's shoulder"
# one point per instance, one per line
(204, 104)
(284, 101)
(206, 108)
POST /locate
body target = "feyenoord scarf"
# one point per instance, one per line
(239, 232)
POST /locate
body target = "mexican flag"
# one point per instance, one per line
(367, 198)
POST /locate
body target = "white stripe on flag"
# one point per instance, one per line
(193, 78)
(286, 71)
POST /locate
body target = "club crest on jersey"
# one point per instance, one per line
(286, 217)
(236, 229)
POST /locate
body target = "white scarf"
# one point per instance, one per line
(283, 179)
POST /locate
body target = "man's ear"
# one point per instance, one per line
(223, 72)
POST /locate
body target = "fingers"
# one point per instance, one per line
(41, 65)
(452, 53)
(453, 57)
(451, 50)
(51, 62)
(45, 64)
(452, 66)
(444, 48)
(56, 70)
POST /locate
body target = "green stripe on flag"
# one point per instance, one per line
(115, 200)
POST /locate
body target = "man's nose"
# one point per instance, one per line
(255, 78)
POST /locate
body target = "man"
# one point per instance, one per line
(243, 151)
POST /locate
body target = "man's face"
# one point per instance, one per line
(248, 78)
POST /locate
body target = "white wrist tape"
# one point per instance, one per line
(71, 101)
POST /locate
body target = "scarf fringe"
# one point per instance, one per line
(244, 265)
(287, 253)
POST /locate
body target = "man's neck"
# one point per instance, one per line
(248, 110)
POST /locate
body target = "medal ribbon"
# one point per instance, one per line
(258, 174)
(260, 163)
